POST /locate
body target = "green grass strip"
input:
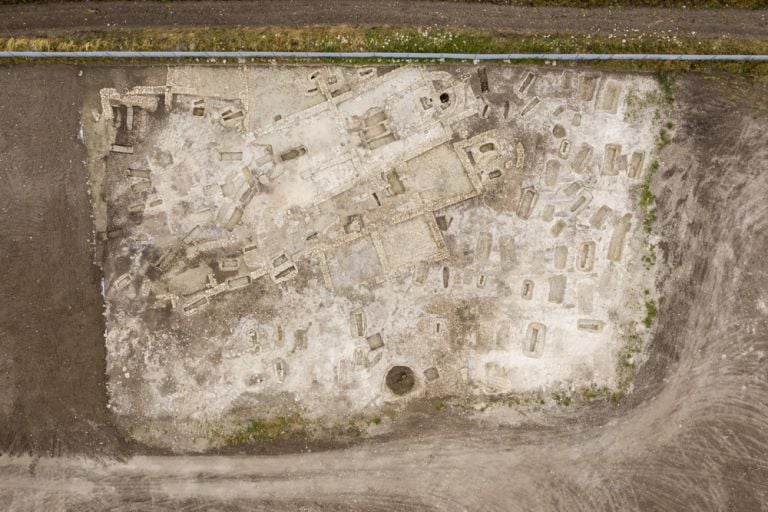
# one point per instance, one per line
(386, 39)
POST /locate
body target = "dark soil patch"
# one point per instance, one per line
(400, 380)
(53, 397)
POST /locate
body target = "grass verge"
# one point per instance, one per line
(272, 429)
(391, 39)
(294, 427)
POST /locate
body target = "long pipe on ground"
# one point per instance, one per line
(378, 55)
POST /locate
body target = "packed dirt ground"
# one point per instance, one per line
(69, 16)
(690, 436)
(51, 326)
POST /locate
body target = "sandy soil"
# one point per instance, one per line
(15, 20)
(691, 437)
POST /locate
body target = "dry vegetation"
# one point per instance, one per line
(399, 39)
(387, 39)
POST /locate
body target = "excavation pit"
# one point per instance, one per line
(308, 224)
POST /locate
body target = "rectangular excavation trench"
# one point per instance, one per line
(313, 240)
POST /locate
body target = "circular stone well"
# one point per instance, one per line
(400, 380)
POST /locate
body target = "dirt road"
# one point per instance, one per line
(36, 18)
(691, 437)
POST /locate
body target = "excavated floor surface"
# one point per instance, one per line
(690, 435)
(336, 244)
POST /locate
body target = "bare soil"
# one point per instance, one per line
(50, 307)
(71, 16)
(52, 369)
